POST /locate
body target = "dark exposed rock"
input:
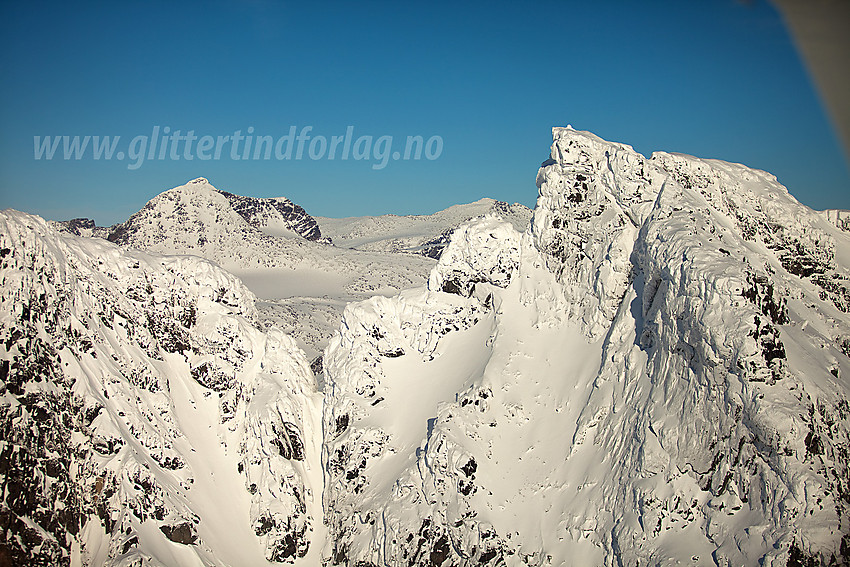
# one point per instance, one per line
(470, 467)
(461, 284)
(316, 365)
(394, 353)
(434, 248)
(255, 211)
(341, 423)
(440, 551)
(74, 226)
(834, 288)
(180, 533)
(814, 445)
(212, 377)
(761, 293)
(289, 441)
(129, 544)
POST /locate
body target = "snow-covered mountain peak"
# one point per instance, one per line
(657, 372)
(594, 196)
(198, 192)
(199, 189)
(275, 216)
(566, 137)
(197, 218)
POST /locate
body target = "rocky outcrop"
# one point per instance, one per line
(81, 227)
(838, 217)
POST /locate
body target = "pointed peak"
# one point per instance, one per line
(201, 184)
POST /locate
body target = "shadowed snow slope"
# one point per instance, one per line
(656, 372)
(145, 419)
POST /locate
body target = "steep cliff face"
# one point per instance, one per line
(275, 215)
(145, 419)
(657, 371)
(838, 217)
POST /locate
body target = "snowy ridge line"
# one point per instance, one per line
(681, 323)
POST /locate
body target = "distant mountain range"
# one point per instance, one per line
(200, 207)
(420, 234)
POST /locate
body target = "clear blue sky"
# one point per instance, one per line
(714, 79)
